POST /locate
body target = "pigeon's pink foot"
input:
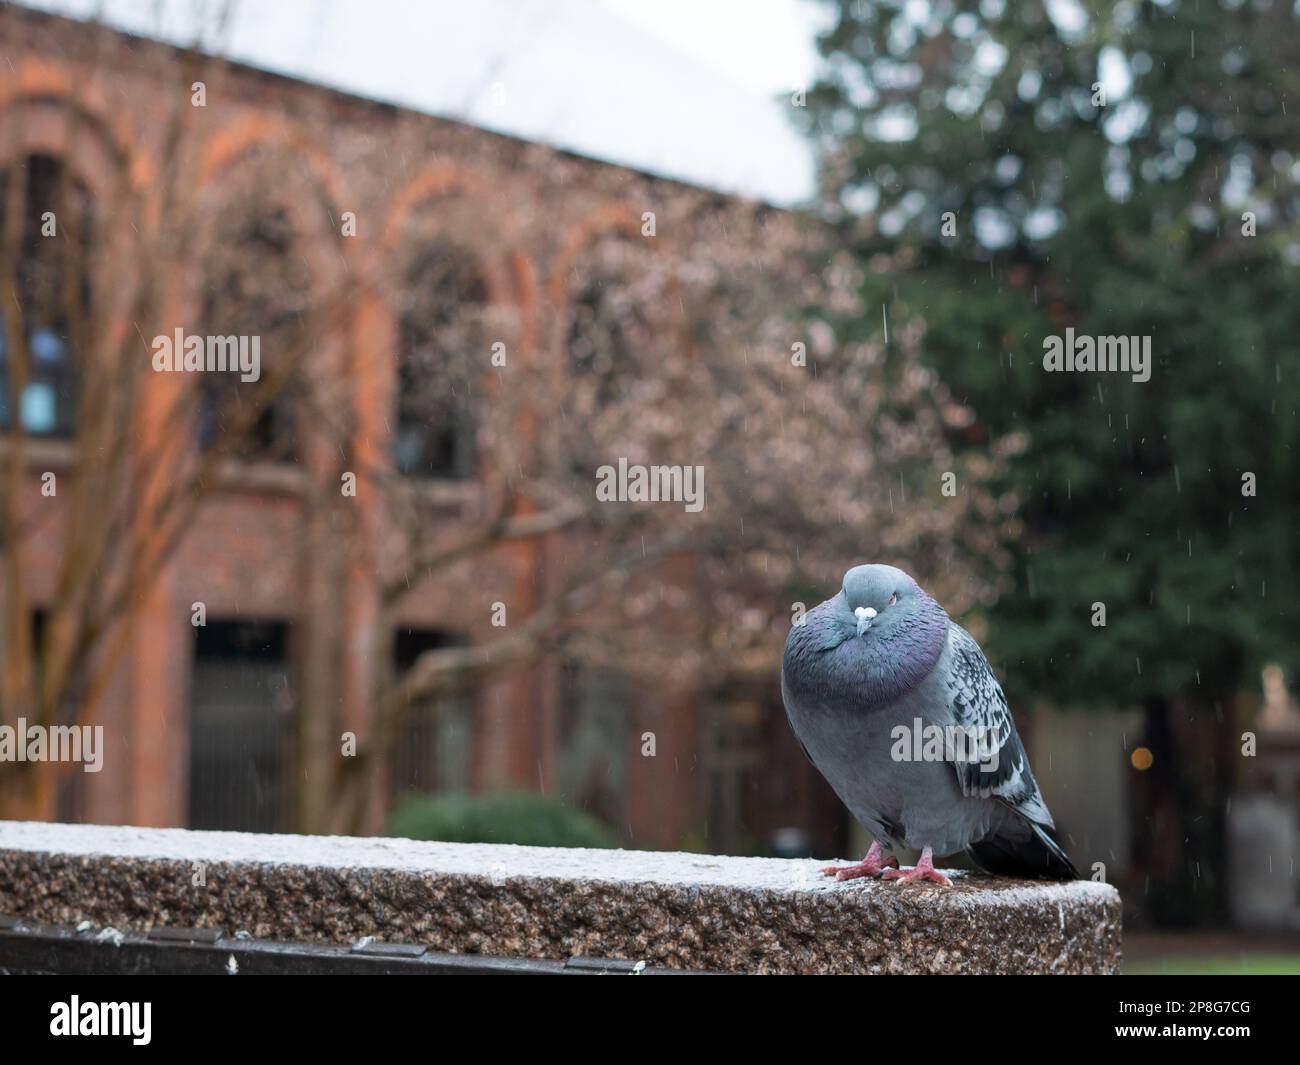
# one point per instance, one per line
(871, 865)
(923, 870)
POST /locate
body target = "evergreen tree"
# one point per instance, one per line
(1132, 170)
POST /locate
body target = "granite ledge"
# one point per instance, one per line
(687, 911)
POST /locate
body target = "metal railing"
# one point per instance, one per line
(31, 948)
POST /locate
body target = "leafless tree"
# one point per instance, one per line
(725, 353)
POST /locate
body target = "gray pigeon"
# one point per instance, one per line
(897, 707)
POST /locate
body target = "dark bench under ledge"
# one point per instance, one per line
(668, 910)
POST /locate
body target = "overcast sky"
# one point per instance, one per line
(693, 89)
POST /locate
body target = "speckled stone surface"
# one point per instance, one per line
(752, 915)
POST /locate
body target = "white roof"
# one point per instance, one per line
(694, 91)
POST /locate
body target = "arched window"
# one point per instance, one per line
(51, 291)
(613, 344)
(610, 326)
(257, 288)
(443, 348)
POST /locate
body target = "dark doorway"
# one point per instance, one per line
(434, 746)
(240, 720)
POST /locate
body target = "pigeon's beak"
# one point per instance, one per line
(865, 616)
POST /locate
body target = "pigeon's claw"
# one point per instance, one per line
(871, 865)
(911, 876)
(863, 868)
(922, 871)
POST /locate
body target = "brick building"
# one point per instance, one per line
(203, 725)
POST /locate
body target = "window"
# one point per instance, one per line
(442, 348)
(55, 236)
(240, 726)
(257, 286)
(733, 758)
(603, 331)
(433, 749)
(592, 740)
(611, 344)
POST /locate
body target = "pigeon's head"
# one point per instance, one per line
(876, 595)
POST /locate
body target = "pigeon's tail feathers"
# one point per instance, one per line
(1037, 855)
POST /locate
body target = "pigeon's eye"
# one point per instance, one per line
(893, 599)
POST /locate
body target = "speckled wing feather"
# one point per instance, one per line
(993, 762)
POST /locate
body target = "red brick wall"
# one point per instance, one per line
(242, 557)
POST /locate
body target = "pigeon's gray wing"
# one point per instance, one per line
(993, 761)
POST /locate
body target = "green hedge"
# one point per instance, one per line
(504, 817)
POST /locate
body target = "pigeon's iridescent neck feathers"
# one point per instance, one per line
(826, 657)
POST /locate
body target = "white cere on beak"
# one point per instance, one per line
(864, 614)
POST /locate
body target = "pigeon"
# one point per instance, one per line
(897, 707)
